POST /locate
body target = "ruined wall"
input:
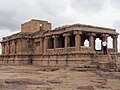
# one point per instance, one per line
(35, 25)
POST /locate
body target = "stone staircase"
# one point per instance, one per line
(109, 64)
(112, 61)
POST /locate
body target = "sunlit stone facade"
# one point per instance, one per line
(38, 44)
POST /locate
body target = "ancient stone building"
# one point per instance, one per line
(38, 44)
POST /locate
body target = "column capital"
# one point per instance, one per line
(105, 35)
(115, 36)
(77, 32)
(54, 36)
(92, 34)
(14, 41)
(47, 37)
(41, 38)
(66, 34)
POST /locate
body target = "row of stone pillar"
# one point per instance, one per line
(105, 37)
(115, 43)
(78, 40)
(20, 45)
(16, 46)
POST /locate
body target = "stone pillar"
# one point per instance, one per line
(115, 43)
(77, 40)
(3, 48)
(2, 45)
(19, 46)
(30, 46)
(24, 46)
(67, 40)
(17, 43)
(10, 47)
(92, 41)
(55, 41)
(46, 44)
(15, 46)
(41, 45)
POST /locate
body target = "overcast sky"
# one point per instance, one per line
(103, 13)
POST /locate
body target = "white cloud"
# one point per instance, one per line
(96, 12)
(87, 6)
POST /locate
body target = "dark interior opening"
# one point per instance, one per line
(51, 43)
(61, 41)
(72, 40)
(84, 37)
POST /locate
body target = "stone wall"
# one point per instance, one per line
(35, 25)
(73, 60)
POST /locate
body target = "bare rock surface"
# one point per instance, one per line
(55, 81)
(48, 69)
(29, 77)
(85, 88)
(23, 81)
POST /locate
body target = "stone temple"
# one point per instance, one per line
(38, 44)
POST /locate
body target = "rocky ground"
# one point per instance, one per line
(52, 78)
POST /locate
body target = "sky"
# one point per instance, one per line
(104, 13)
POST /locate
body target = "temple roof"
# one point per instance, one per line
(62, 29)
(82, 25)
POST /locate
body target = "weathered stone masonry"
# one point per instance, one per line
(38, 44)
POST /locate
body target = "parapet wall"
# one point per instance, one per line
(35, 25)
